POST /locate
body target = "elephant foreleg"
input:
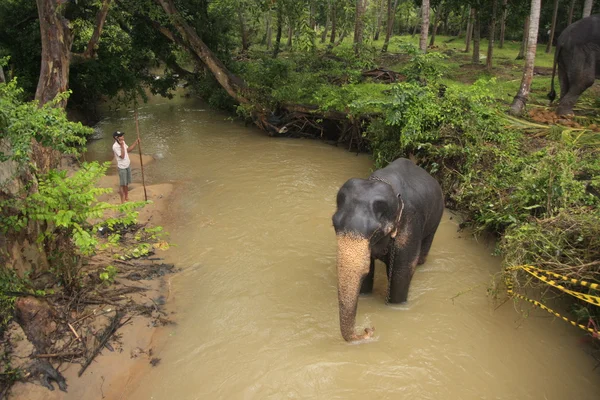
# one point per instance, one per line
(403, 269)
(425, 246)
(367, 283)
(579, 80)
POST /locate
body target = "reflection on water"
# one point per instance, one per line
(257, 299)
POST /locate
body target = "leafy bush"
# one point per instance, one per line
(70, 214)
(21, 122)
(425, 68)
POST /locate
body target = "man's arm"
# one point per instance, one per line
(129, 148)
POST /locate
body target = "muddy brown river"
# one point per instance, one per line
(256, 300)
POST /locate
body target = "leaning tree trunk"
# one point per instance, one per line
(476, 37)
(571, 8)
(424, 26)
(470, 27)
(391, 13)
(503, 23)
(518, 104)
(233, 85)
(553, 27)
(587, 8)
(490, 52)
(523, 48)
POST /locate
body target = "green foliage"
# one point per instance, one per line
(24, 121)
(9, 282)
(68, 209)
(108, 274)
(425, 68)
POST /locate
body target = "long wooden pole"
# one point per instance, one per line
(137, 129)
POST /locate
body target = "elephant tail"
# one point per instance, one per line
(552, 94)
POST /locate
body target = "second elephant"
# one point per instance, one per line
(578, 58)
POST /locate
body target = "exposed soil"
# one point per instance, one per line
(100, 338)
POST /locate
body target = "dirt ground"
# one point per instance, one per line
(129, 352)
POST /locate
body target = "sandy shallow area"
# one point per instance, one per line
(112, 372)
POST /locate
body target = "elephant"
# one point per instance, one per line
(578, 57)
(392, 216)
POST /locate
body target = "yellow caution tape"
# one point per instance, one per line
(539, 274)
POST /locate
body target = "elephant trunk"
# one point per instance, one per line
(353, 261)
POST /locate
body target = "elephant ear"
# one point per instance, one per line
(384, 211)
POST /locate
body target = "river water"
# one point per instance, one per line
(256, 300)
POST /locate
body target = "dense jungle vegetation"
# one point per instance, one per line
(433, 80)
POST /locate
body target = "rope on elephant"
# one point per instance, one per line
(546, 277)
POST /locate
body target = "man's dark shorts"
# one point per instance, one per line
(124, 176)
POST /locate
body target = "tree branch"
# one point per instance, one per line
(92, 46)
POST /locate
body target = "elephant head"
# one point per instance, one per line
(365, 222)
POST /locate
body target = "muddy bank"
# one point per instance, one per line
(108, 328)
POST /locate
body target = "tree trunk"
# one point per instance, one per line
(379, 18)
(419, 18)
(269, 30)
(243, 30)
(279, 30)
(290, 34)
(518, 104)
(571, 8)
(503, 23)
(470, 29)
(327, 22)
(333, 23)
(476, 37)
(233, 85)
(359, 25)
(553, 27)
(434, 28)
(391, 13)
(492, 33)
(424, 26)
(523, 48)
(463, 17)
(587, 8)
(56, 52)
(2, 77)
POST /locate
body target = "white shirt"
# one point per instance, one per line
(121, 162)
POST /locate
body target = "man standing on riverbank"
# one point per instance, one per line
(121, 151)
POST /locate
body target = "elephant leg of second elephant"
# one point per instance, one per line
(405, 263)
(367, 283)
(580, 79)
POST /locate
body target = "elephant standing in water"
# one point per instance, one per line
(392, 216)
(578, 57)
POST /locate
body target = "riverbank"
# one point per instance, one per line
(134, 301)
